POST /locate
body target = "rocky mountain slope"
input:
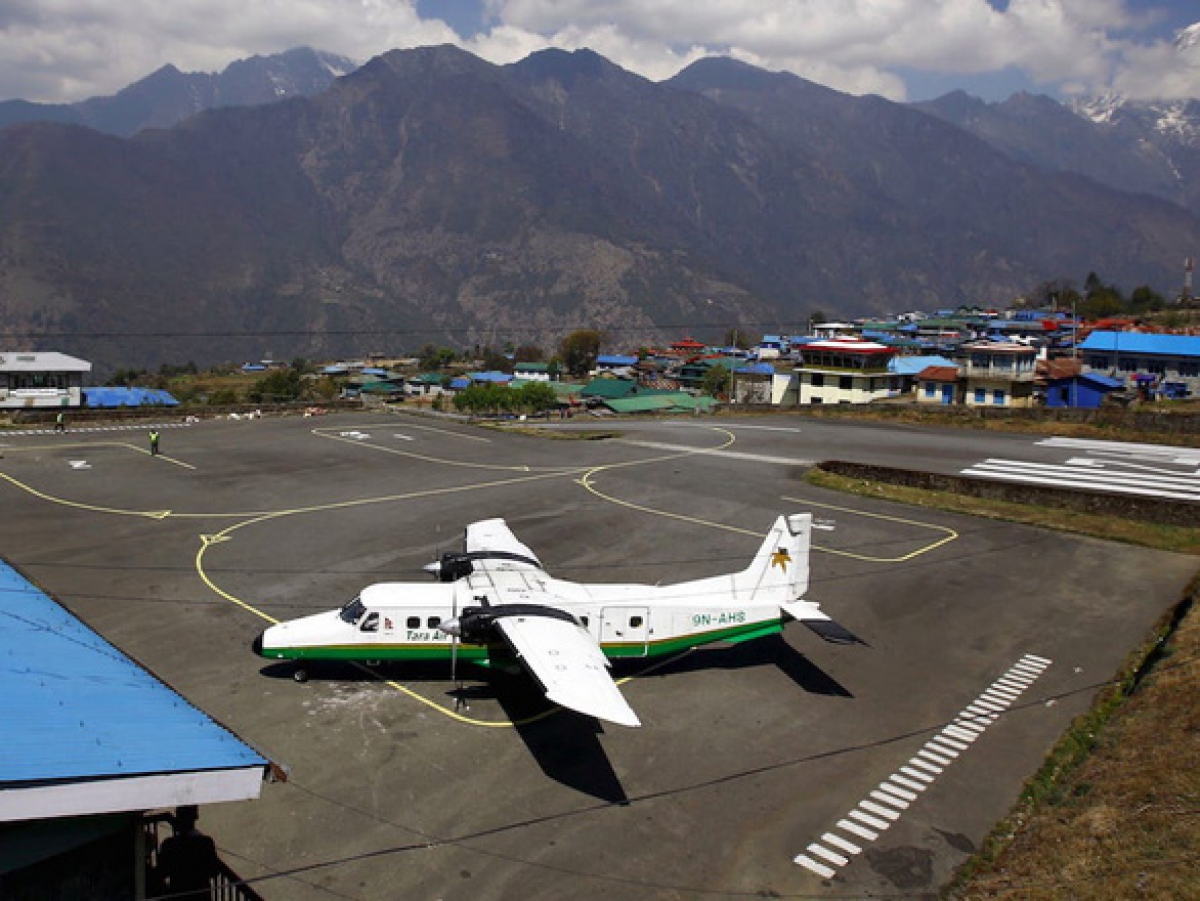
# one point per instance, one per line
(431, 196)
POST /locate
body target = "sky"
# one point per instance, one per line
(905, 50)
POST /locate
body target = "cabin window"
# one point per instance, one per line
(434, 621)
(413, 622)
(635, 622)
(370, 623)
(352, 611)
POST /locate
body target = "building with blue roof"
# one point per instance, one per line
(92, 741)
(1133, 356)
(621, 365)
(1085, 391)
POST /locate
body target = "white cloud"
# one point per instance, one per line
(71, 49)
(852, 45)
(64, 50)
(1159, 72)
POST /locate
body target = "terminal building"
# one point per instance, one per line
(41, 380)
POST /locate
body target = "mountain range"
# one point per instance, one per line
(168, 96)
(430, 196)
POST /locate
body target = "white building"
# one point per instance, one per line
(999, 374)
(845, 371)
(41, 380)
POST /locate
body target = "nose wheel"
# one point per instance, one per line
(300, 674)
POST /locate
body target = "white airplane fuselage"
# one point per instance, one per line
(400, 620)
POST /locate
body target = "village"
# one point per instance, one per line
(965, 357)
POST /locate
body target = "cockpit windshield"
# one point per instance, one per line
(353, 611)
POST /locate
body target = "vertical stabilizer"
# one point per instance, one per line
(779, 572)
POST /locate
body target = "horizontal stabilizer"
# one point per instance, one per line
(809, 614)
(832, 632)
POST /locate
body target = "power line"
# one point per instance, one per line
(775, 325)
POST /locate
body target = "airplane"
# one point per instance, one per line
(496, 595)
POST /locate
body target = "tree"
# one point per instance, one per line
(279, 386)
(433, 358)
(741, 339)
(478, 399)
(536, 397)
(580, 349)
(1145, 299)
(496, 362)
(1058, 294)
(717, 381)
(528, 353)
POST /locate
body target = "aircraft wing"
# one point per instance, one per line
(568, 663)
(492, 545)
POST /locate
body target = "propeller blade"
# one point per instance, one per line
(454, 629)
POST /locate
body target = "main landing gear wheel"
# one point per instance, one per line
(300, 675)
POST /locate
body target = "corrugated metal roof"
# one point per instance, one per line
(105, 396)
(661, 402)
(1143, 343)
(1103, 381)
(609, 388)
(42, 361)
(74, 707)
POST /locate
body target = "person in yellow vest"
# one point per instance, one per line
(154, 442)
(60, 422)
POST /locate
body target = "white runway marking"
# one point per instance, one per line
(732, 455)
(759, 428)
(95, 430)
(871, 818)
(1184, 456)
(1115, 467)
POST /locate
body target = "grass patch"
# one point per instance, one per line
(1112, 813)
(557, 434)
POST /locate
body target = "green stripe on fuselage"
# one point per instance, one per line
(480, 653)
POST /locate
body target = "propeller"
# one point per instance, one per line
(473, 624)
(449, 567)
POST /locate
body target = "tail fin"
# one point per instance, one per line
(779, 572)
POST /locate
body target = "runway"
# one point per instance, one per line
(754, 761)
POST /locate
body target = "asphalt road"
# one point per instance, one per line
(749, 757)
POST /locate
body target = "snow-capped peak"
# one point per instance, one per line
(1188, 38)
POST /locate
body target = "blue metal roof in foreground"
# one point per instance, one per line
(75, 708)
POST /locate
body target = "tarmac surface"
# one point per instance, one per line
(784, 767)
